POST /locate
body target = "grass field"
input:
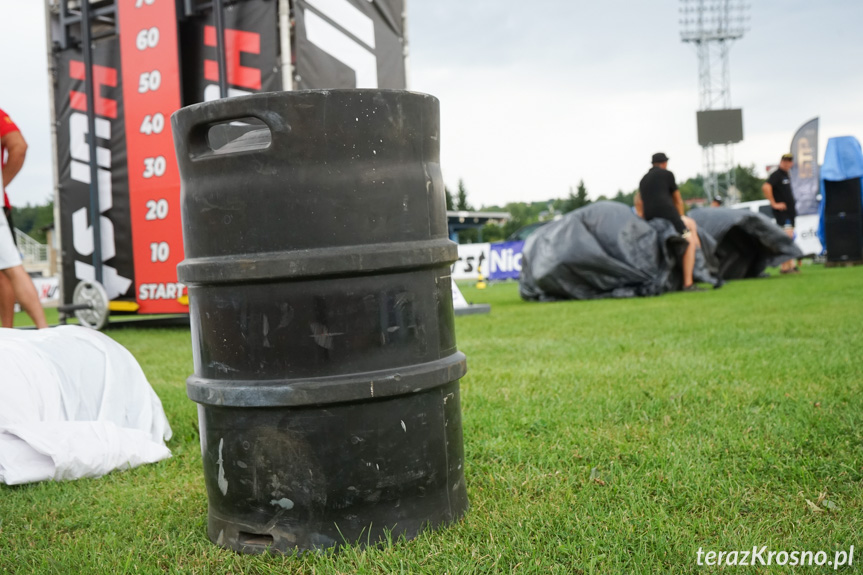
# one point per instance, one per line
(615, 436)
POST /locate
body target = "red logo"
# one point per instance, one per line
(102, 76)
(237, 42)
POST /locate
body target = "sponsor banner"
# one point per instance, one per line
(48, 289)
(251, 52)
(497, 261)
(505, 260)
(805, 181)
(349, 44)
(806, 234)
(138, 76)
(73, 161)
(470, 258)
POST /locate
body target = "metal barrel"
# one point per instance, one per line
(318, 271)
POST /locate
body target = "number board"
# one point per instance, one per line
(151, 93)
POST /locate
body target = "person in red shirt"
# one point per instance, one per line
(14, 281)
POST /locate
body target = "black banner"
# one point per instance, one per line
(251, 52)
(74, 170)
(805, 181)
(349, 44)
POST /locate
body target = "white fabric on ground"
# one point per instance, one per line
(74, 403)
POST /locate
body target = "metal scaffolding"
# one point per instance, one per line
(711, 26)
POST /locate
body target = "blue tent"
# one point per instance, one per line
(843, 160)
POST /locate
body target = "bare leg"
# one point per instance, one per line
(693, 227)
(25, 292)
(789, 265)
(7, 302)
(688, 263)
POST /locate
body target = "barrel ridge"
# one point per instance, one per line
(325, 390)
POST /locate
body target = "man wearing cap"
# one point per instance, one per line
(777, 190)
(659, 197)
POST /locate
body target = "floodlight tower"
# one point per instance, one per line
(712, 25)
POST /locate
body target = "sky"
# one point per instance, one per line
(536, 96)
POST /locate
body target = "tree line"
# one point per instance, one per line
(34, 220)
(525, 213)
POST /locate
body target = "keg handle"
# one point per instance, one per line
(198, 120)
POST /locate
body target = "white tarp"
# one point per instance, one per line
(74, 403)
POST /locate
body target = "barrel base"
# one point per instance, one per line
(285, 479)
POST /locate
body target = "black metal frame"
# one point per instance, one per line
(82, 13)
(104, 11)
(195, 7)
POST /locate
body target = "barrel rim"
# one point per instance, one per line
(194, 109)
(317, 262)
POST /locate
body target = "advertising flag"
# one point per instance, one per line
(804, 173)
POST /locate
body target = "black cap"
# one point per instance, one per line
(789, 157)
(659, 157)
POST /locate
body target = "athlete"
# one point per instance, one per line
(14, 281)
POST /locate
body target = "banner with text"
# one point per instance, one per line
(471, 257)
(497, 261)
(505, 260)
(804, 174)
(73, 164)
(251, 52)
(151, 93)
(349, 44)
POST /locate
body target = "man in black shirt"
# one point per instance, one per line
(777, 190)
(659, 197)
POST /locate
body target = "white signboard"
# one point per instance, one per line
(471, 257)
(48, 290)
(806, 234)
(458, 301)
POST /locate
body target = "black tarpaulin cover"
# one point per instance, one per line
(746, 242)
(605, 250)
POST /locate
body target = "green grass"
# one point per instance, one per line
(613, 436)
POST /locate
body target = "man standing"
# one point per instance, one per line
(777, 190)
(659, 197)
(14, 281)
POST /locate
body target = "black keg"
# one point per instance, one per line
(318, 271)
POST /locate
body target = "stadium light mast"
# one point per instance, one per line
(711, 26)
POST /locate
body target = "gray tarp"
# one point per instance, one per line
(605, 250)
(746, 242)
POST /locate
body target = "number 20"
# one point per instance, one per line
(157, 209)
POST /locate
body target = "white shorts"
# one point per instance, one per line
(9, 255)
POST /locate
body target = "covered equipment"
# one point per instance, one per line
(747, 242)
(74, 403)
(605, 250)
